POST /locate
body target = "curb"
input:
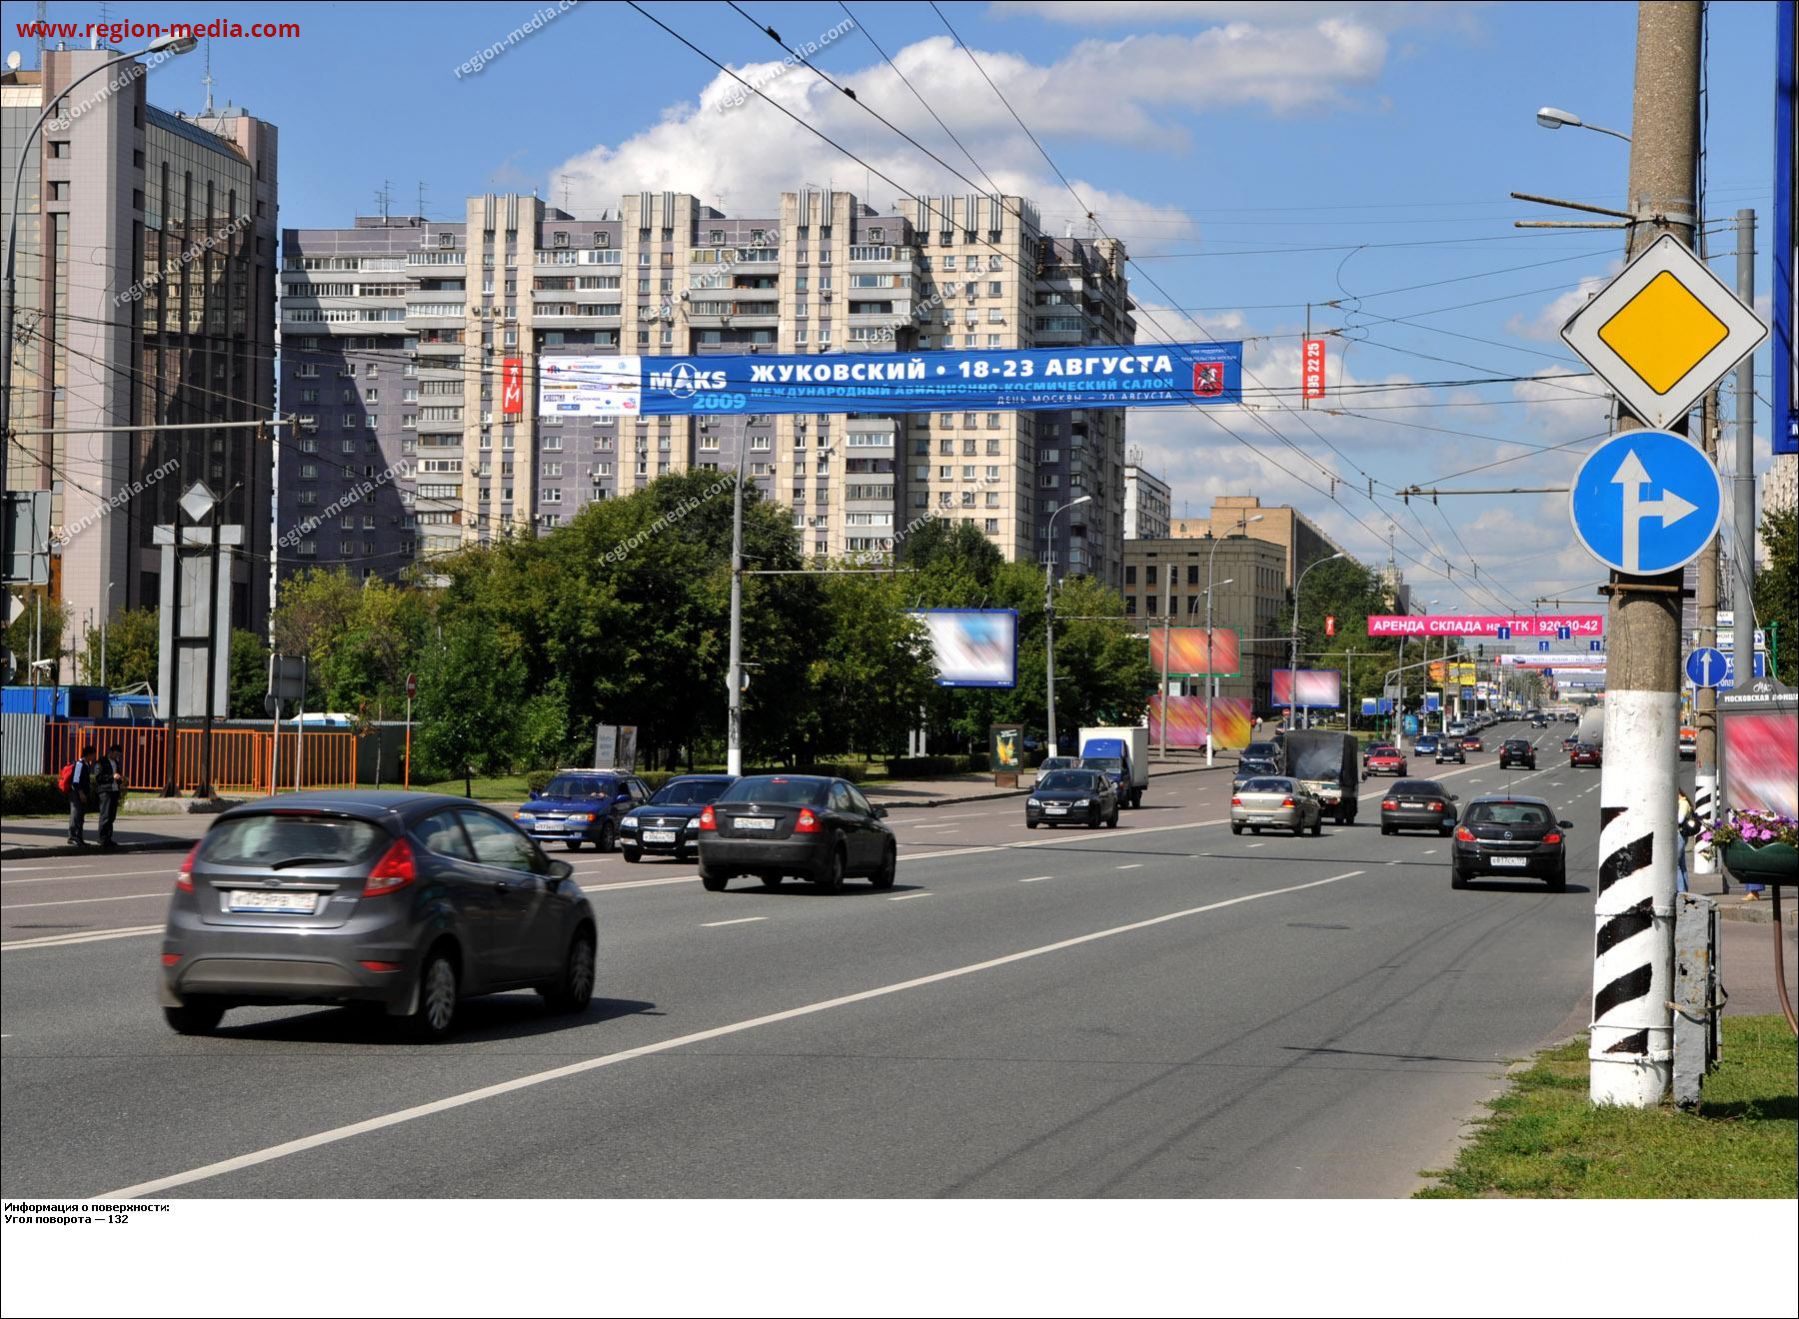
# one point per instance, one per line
(63, 849)
(1013, 792)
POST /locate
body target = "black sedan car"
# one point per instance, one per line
(670, 824)
(1073, 796)
(1417, 804)
(775, 825)
(1518, 751)
(1510, 836)
(1450, 748)
(404, 900)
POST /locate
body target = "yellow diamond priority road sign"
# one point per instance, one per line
(1663, 332)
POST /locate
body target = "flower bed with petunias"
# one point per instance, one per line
(1755, 828)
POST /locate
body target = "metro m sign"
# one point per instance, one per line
(1312, 369)
(1330, 625)
(512, 387)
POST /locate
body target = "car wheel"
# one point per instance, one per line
(1236, 828)
(608, 837)
(1093, 819)
(1456, 878)
(713, 881)
(573, 989)
(573, 844)
(771, 878)
(1559, 882)
(1112, 820)
(1386, 831)
(1299, 830)
(1136, 798)
(632, 855)
(1030, 824)
(195, 1017)
(1318, 825)
(884, 877)
(438, 989)
(1446, 830)
(830, 879)
(1255, 829)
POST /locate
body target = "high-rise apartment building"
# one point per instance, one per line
(1146, 501)
(146, 296)
(447, 315)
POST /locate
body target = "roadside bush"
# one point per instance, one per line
(837, 769)
(907, 767)
(31, 794)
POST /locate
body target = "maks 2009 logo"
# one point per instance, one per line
(684, 381)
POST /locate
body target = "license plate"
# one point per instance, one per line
(304, 904)
(1055, 810)
(1509, 862)
(750, 822)
(658, 835)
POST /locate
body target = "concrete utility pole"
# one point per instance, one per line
(1742, 484)
(1705, 699)
(734, 677)
(1631, 1047)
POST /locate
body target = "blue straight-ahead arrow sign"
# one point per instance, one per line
(1543, 646)
(1707, 667)
(1502, 632)
(1595, 644)
(1564, 634)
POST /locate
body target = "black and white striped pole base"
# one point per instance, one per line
(1705, 806)
(1632, 1037)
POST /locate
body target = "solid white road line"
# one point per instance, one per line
(1256, 844)
(640, 883)
(65, 879)
(907, 897)
(96, 936)
(741, 920)
(1138, 865)
(452, 1102)
(75, 902)
(1036, 879)
(1430, 851)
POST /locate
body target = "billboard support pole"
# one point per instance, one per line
(734, 744)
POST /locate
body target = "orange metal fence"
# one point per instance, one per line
(242, 758)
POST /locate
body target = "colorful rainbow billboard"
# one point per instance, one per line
(1187, 721)
(1188, 652)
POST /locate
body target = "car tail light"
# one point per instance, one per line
(1552, 838)
(1464, 835)
(184, 880)
(169, 959)
(808, 823)
(1436, 806)
(1389, 805)
(393, 871)
(1236, 801)
(1287, 802)
(383, 967)
(709, 819)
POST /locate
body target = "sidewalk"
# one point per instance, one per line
(25, 837)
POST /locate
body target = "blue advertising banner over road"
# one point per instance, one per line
(1015, 380)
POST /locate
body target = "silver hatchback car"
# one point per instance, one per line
(410, 901)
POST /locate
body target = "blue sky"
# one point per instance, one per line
(1254, 157)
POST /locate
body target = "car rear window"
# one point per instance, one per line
(1507, 812)
(270, 840)
(779, 790)
(1267, 785)
(689, 792)
(1260, 751)
(1415, 788)
(1071, 780)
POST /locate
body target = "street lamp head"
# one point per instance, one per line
(1082, 500)
(1550, 117)
(173, 44)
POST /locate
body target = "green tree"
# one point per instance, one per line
(315, 609)
(133, 648)
(1777, 591)
(30, 636)
(873, 672)
(469, 700)
(249, 674)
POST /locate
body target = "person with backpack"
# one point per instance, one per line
(1687, 825)
(77, 780)
(109, 786)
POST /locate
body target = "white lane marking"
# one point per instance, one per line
(452, 1102)
(75, 902)
(907, 897)
(1430, 851)
(640, 883)
(1392, 863)
(1136, 865)
(1036, 879)
(95, 936)
(1256, 844)
(741, 920)
(952, 827)
(70, 879)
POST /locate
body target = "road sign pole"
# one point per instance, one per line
(1742, 577)
(1631, 1045)
(1705, 699)
(408, 769)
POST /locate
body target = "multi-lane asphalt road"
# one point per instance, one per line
(1164, 1009)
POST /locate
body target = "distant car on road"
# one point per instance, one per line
(582, 806)
(1426, 744)
(1510, 836)
(1052, 763)
(1072, 796)
(1570, 742)
(1472, 742)
(775, 825)
(1417, 804)
(670, 824)
(1689, 743)
(410, 901)
(1276, 803)
(1585, 753)
(1517, 751)
(1450, 749)
(1384, 760)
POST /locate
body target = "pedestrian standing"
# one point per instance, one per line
(109, 786)
(1687, 826)
(81, 795)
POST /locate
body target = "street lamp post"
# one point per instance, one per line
(734, 721)
(1550, 117)
(1211, 676)
(1049, 621)
(173, 45)
(1293, 652)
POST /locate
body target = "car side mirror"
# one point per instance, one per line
(533, 794)
(880, 812)
(1566, 824)
(559, 871)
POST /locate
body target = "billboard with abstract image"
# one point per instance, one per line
(973, 647)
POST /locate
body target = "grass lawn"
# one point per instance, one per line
(512, 787)
(1544, 1139)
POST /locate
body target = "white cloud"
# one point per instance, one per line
(1106, 13)
(1546, 325)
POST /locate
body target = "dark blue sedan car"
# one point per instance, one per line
(582, 806)
(670, 824)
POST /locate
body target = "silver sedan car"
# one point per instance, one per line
(1275, 802)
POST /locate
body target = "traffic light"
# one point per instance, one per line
(1480, 650)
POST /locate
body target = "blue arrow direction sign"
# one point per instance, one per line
(1543, 647)
(1564, 634)
(1502, 632)
(1706, 667)
(1595, 644)
(1646, 502)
